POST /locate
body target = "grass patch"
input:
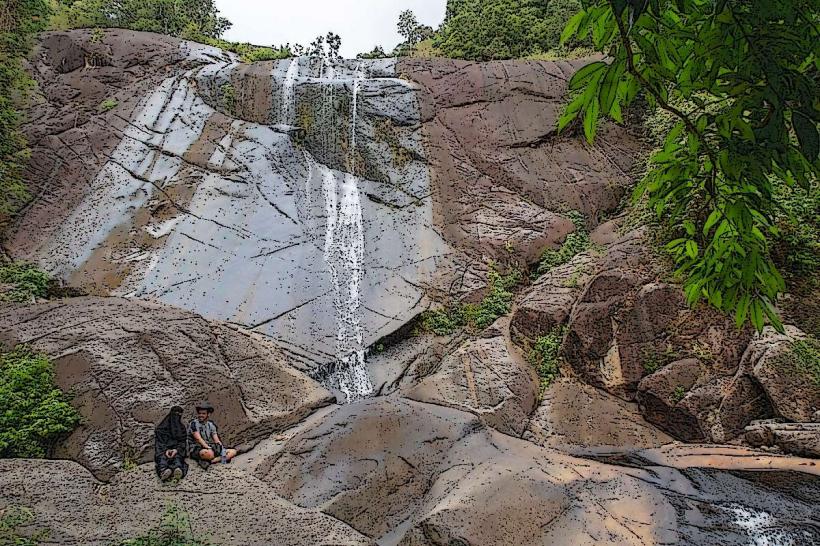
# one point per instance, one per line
(495, 304)
(654, 360)
(35, 413)
(28, 282)
(678, 394)
(575, 243)
(174, 530)
(108, 104)
(11, 519)
(227, 98)
(544, 357)
(248, 53)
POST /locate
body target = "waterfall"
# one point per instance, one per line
(288, 97)
(344, 256)
(344, 249)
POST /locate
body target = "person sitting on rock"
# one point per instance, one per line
(206, 447)
(170, 441)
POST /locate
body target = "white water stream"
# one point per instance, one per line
(344, 234)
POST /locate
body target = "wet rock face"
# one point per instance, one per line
(302, 200)
(128, 362)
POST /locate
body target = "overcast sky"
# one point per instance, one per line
(361, 23)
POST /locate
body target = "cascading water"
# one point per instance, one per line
(344, 233)
(288, 97)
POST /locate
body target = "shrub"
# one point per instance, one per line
(805, 354)
(13, 517)
(108, 104)
(495, 304)
(575, 243)
(29, 282)
(33, 411)
(174, 530)
(679, 394)
(544, 357)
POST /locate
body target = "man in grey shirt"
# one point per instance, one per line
(205, 446)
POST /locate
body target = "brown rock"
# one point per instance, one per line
(660, 393)
(500, 169)
(548, 303)
(128, 362)
(226, 505)
(486, 377)
(801, 439)
(793, 392)
(575, 416)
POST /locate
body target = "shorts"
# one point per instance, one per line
(195, 449)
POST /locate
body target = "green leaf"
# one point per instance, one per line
(609, 86)
(580, 78)
(807, 135)
(692, 249)
(591, 120)
(572, 26)
(711, 221)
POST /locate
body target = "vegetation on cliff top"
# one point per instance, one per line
(174, 530)
(717, 178)
(33, 411)
(19, 21)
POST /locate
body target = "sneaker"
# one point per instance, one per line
(177, 474)
(165, 475)
(204, 465)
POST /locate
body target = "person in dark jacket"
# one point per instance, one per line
(170, 446)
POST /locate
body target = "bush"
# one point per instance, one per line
(544, 357)
(805, 354)
(34, 413)
(575, 243)
(175, 530)
(495, 304)
(29, 282)
(13, 517)
(503, 29)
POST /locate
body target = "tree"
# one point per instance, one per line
(412, 31)
(503, 29)
(19, 21)
(191, 19)
(334, 44)
(376, 53)
(741, 81)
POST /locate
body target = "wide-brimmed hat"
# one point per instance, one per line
(205, 406)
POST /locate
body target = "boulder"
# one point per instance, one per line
(547, 304)
(486, 377)
(659, 395)
(127, 362)
(793, 392)
(576, 417)
(801, 439)
(226, 506)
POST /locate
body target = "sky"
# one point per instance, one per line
(362, 24)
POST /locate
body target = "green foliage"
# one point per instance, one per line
(412, 31)
(108, 104)
(805, 355)
(575, 243)
(544, 357)
(751, 70)
(679, 394)
(29, 282)
(33, 411)
(376, 53)
(502, 29)
(190, 19)
(654, 360)
(19, 21)
(11, 519)
(495, 304)
(174, 530)
(796, 248)
(227, 98)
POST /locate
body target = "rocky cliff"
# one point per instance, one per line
(267, 235)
